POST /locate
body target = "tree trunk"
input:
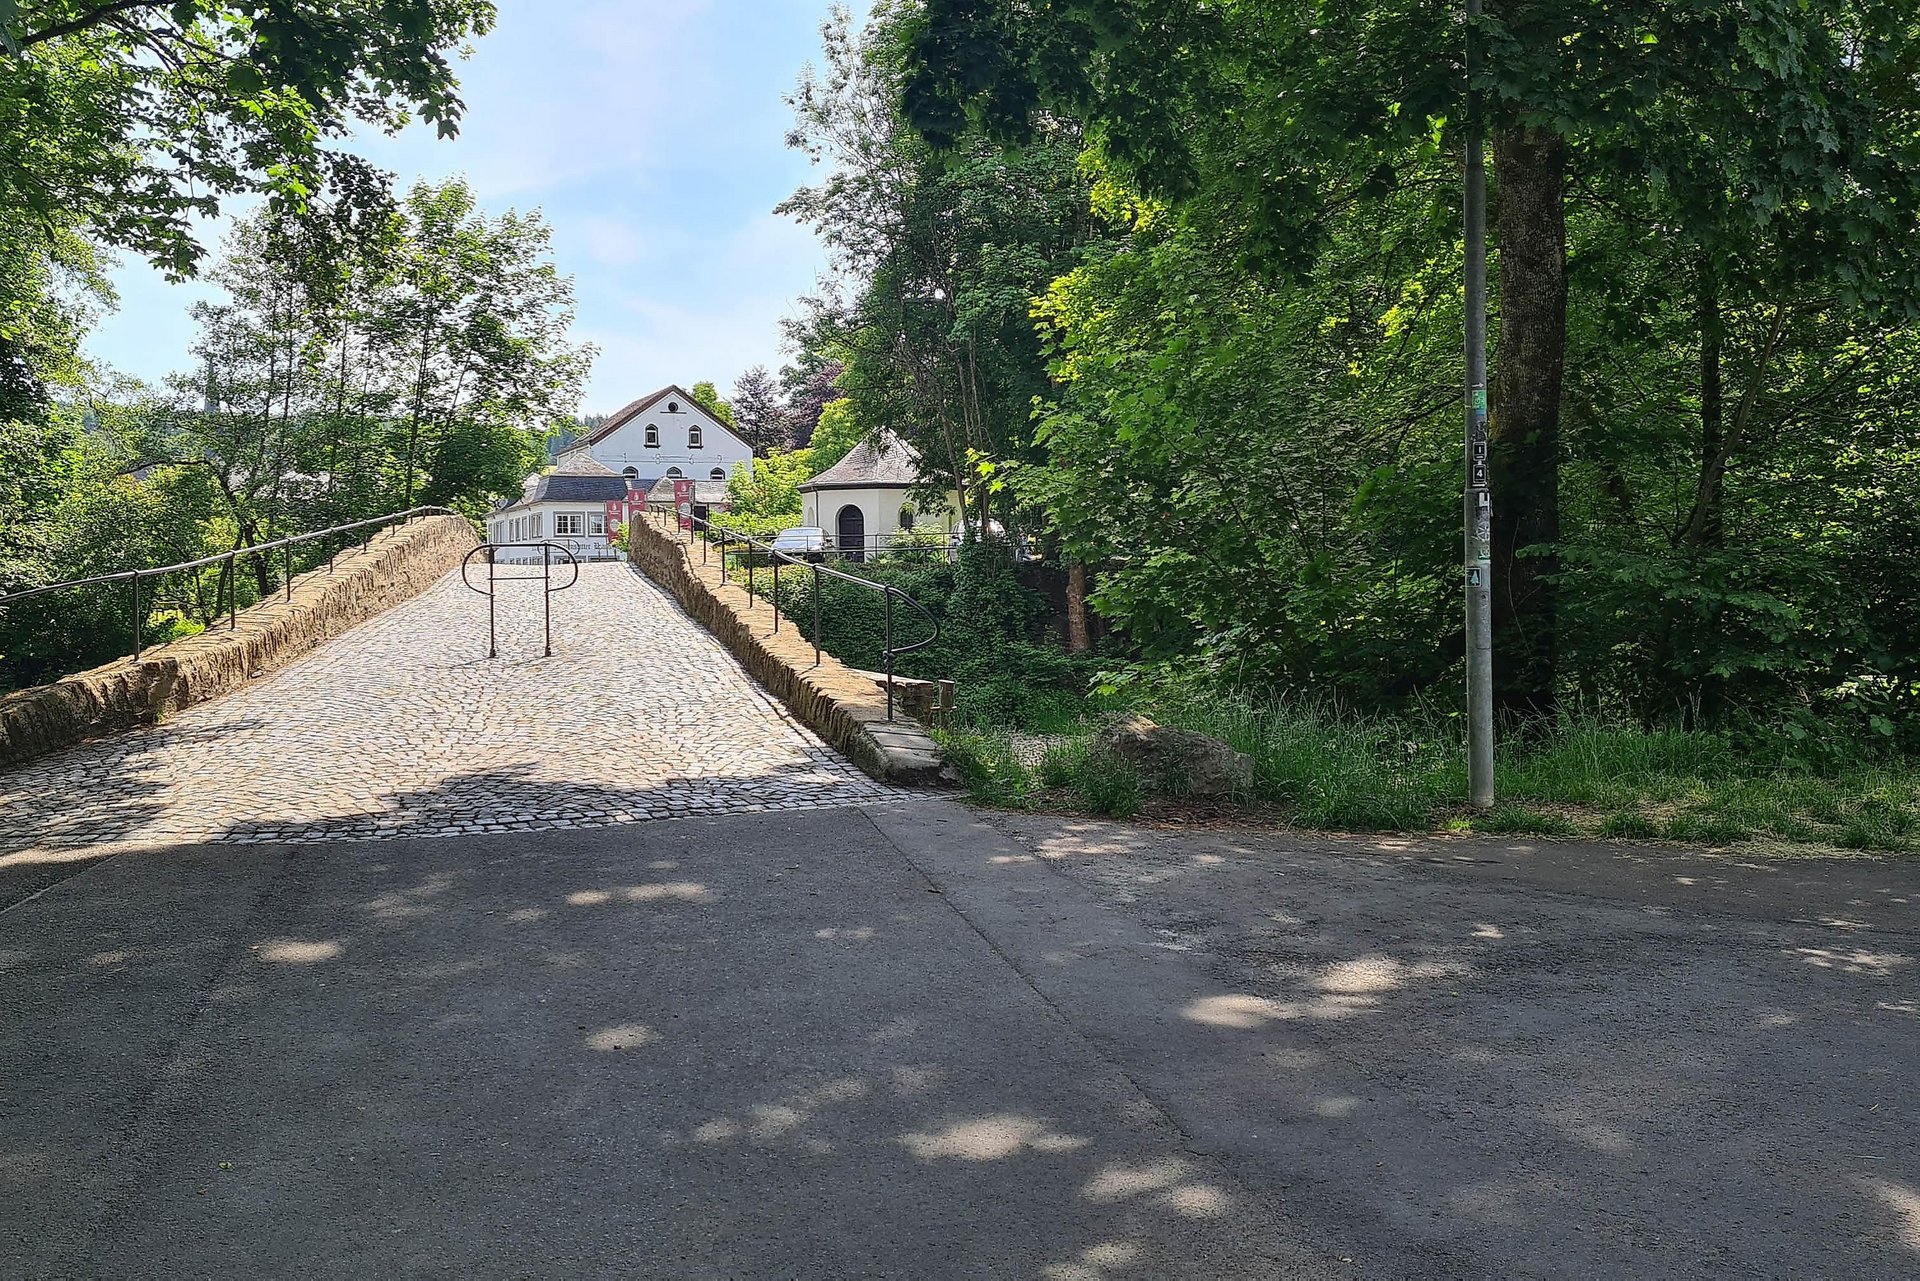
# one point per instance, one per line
(1077, 640)
(1523, 429)
(1706, 526)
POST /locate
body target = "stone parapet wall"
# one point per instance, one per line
(845, 707)
(399, 564)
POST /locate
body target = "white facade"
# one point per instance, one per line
(868, 499)
(665, 434)
(885, 511)
(580, 527)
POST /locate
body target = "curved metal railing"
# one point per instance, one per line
(547, 549)
(890, 593)
(284, 546)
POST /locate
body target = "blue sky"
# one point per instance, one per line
(651, 134)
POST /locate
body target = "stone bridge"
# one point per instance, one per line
(402, 726)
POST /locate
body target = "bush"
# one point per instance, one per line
(988, 766)
(1109, 785)
(1060, 767)
(990, 641)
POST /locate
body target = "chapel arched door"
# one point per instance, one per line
(850, 534)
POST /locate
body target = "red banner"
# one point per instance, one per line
(622, 511)
(683, 500)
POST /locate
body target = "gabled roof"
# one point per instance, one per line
(708, 493)
(577, 478)
(881, 461)
(633, 409)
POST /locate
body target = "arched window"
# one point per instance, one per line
(906, 518)
(693, 436)
(630, 474)
(718, 473)
(653, 436)
(674, 473)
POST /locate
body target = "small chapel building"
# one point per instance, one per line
(871, 498)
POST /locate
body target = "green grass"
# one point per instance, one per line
(1519, 820)
(1321, 768)
(988, 766)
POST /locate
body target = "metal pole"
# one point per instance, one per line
(546, 590)
(1478, 505)
(775, 598)
(887, 595)
(136, 615)
(493, 648)
(233, 592)
(286, 568)
(816, 613)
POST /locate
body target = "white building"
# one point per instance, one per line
(567, 505)
(867, 499)
(664, 436)
(647, 444)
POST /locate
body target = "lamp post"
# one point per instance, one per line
(1478, 506)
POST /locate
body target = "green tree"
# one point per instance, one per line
(477, 317)
(1778, 140)
(1267, 474)
(50, 284)
(707, 396)
(134, 118)
(765, 492)
(938, 260)
(760, 414)
(838, 431)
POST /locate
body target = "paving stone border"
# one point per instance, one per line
(397, 565)
(845, 707)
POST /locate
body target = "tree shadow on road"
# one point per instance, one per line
(751, 1047)
(1662, 1066)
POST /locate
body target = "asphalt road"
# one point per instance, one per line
(902, 1041)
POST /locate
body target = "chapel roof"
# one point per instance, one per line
(881, 461)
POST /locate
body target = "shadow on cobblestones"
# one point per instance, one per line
(90, 802)
(400, 728)
(506, 801)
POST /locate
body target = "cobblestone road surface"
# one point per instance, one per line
(403, 727)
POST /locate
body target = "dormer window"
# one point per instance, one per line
(693, 436)
(653, 436)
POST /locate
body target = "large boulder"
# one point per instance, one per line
(1178, 761)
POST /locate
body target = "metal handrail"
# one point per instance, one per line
(547, 549)
(887, 591)
(283, 545)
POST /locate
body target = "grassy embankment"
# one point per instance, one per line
(1315, 769)
(1024, 738)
